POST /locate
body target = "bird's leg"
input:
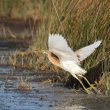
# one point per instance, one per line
(91, 85)
(87, 91)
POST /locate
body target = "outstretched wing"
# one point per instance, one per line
(87, 51)
(58, 45)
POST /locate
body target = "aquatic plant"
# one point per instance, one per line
(24, 85)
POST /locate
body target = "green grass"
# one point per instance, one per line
(80, 22)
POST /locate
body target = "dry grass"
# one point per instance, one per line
(20, 9)
(31, 60)
(24, 85)
(80, 22)
(104, 84)
(18, 19)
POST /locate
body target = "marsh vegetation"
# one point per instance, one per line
(80, 22)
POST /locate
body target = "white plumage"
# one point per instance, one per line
(87, 51)
(58, 45)
(72, 67)
(70, 60)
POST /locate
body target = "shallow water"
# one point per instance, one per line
(45, 96)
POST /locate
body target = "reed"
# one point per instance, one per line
(81, 23)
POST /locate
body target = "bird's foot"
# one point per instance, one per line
(88, 91)
(93, 88)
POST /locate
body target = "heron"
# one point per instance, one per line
(60, 54)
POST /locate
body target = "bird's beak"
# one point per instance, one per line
(41, 51)
(44, 51)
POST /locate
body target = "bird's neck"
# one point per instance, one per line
(53, 59)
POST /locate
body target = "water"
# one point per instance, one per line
(44, 96)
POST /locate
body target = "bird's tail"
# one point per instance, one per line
(79, 73)
(77, 70)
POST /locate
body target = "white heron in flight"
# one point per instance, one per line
(61, 55)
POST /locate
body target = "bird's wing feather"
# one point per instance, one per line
(58, 45)
(87, 51)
